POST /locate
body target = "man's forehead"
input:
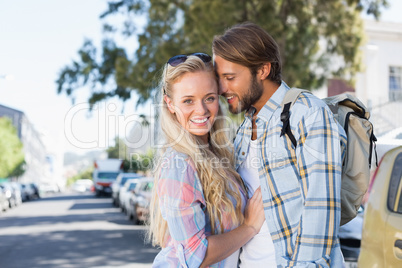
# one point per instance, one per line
(225, 67)
(222, 65)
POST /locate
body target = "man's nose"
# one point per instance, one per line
(222, 87)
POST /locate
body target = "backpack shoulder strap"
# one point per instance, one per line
(290, 98)
(292, 95)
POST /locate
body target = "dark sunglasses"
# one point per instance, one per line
(179, 59)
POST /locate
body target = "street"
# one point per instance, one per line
(71, 230)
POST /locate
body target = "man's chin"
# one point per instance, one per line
(236, 110)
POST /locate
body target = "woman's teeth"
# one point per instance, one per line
(199, 121)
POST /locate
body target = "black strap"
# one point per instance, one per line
(373, 139)
(285, 115)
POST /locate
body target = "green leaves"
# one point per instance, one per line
(12, 161)
(118, 151)
(317, 39)
(132, 162)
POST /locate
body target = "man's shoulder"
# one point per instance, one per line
(308, 101)
(307, 105)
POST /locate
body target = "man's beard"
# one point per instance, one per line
(253, 94)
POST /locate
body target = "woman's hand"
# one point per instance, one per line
(222, 245)
(254, 214)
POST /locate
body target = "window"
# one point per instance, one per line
(395, 83)
(395, 186)
(107, 175)
(399, 207)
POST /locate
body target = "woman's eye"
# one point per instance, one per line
(229, 77)
(210, 99)
(187, 101)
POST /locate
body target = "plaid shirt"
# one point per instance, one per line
(182, 204)
(300, 186)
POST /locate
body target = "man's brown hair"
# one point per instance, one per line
(249, 45)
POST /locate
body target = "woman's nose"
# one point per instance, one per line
(201, 108)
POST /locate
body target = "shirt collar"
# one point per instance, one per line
(272, 104)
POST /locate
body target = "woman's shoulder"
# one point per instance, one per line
(172, 153)
(177, 171)
(176, 162)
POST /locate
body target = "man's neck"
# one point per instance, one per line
(269, 89)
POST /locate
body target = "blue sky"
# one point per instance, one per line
(37, 39)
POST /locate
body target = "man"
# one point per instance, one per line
(300, 185)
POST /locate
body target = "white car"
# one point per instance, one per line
(125, 191)
(387, 142)
(118, 183)
(140, 199)
(49, 188)
(83, 185)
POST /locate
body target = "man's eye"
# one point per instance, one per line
(229, 78)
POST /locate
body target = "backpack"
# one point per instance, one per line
(353, 116)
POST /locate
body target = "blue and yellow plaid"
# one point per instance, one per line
(300, 186)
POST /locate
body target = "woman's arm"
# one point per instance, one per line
(182, 205)
(223, 245)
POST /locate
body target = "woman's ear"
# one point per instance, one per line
(169, 103)
(264, 71)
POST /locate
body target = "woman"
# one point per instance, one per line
(198, 200)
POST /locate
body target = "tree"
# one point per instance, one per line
(12, 162)
(314, 38)
(19, 170)
(141, 162)
(86, 174)
(118, 151)
(132, 162)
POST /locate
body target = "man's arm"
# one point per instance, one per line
(320, 168)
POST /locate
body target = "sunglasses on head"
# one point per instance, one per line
(179, 59)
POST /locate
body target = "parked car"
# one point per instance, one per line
(83, 185)
(118, 183)
(17, 192)
(382, 226)
(23, 198)
(125, 193)
(388, 141)
(4, 205)
(104, 174)
(138, 207)
(35, 188)
(49, 188)
(350, 236)
(27, 192)
(9, 193)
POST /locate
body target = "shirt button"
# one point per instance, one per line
(243, 153)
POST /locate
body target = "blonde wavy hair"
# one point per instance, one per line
(218, 182)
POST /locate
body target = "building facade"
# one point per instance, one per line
(380, 83)
(38, 166)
